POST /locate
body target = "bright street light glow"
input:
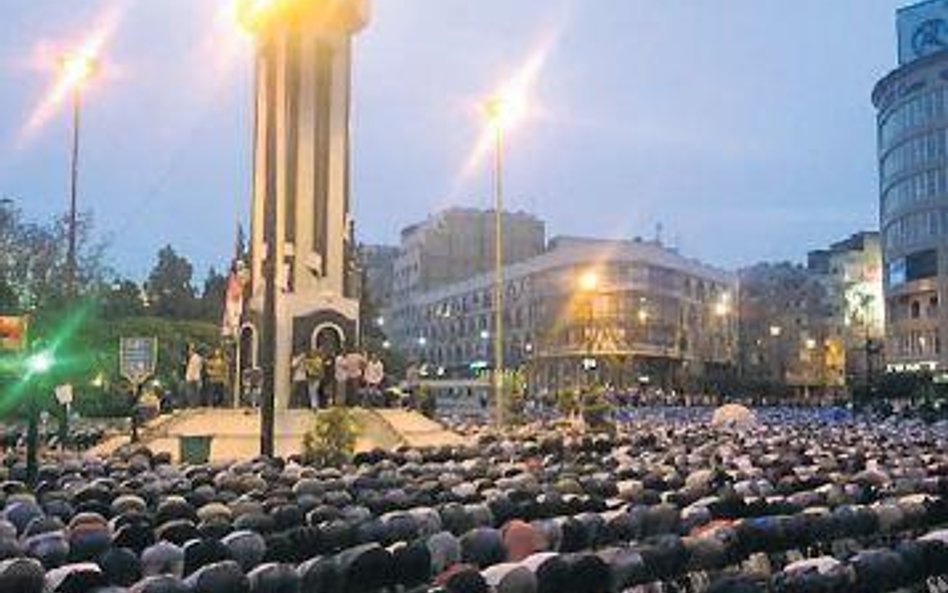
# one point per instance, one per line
(40, 363)
(775, 330)
(76, 69)
(252, 15)
(505, 111)
(508, 106)
(73, 68)
(589, 281)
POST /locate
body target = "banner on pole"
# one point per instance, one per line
(138, 358)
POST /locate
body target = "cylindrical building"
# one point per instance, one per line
(912, 103)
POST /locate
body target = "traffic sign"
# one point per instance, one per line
(64, 394)
(138, 358)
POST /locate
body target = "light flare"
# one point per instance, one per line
(251, 15)
(74, 69)
(511, 105)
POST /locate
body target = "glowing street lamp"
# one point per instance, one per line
(503, 110)
(40, 363)
(589, 281)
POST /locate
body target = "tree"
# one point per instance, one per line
(122, 299)
(212, 297)
(332, 439)
(168, 288)
(33, 259)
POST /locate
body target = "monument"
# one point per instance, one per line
(302, 290)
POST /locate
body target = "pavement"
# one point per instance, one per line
(417, 430)
(236, 432)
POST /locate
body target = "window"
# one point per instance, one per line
(920, 265)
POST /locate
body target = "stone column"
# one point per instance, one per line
(301, 162)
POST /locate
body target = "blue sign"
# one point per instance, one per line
(923, 30)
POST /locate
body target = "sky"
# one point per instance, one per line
(744, 128)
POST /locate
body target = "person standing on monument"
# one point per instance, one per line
(374, 375)
(341, 375)
(298, 370)
(355, 365)
(193, 372)
(216, 370)
(314, 369)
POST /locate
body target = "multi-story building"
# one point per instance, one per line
(851, 274)
(787, 339)
(451, 246)
(912, 103)
(585, 310)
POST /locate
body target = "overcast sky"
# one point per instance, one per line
(743, 127)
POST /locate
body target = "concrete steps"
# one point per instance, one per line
(236, 432)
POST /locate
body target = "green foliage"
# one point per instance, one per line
(567, 401)
(169, 289)
(597, 412)
(122, 299)
(33, 260)
(515, 388)
(90, 358)
(211, 305)
(332, 439)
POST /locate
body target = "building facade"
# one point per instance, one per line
(788, 343)
(851, 274)
(584, 312)
(449, 247)
(912, 104)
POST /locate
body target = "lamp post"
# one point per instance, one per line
(38, 364)
(76, 68)
(495, 109)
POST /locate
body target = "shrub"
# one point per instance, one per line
(332, 439)
(597, 412)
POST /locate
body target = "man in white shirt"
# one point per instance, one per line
(374, 375)
(192, 377)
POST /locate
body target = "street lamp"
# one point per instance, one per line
(588, 283)
(40, 363)
(76, 69)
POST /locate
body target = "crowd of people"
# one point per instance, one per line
(796, 501)
(319, 379)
